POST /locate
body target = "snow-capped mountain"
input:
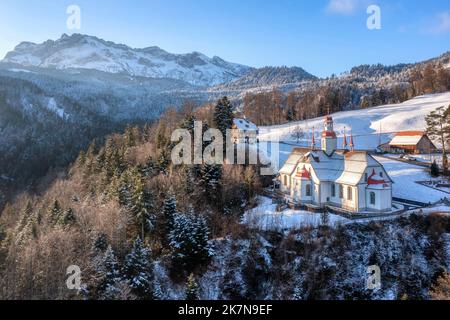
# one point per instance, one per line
(87, 52)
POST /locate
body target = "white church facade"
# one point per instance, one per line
(344, 179)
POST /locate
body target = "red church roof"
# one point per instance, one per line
(327, 134)
(375, 179)
(303, 173)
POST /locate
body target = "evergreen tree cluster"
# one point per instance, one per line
(189, 240)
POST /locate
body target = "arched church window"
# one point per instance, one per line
(349, 193)
(333, 190)
(341, 191)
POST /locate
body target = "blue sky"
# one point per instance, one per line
(322, 36)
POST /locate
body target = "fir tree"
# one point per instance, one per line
(101, 243)
(434, 169)
(209, 182)
(169, 211)
(137, 270)
(223, 115)
(110, 276)
(189, 240)
(191, 289)
(157, 291)
(298, 293)
(142, 204)
(27, 227)
(55, 213)
(188, 123)
(67, 218)
(81, 160)
(163, 162)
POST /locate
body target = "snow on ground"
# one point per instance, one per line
(369, 126)
(265, 217)
(405, 177)
(365, 125)
(53, 106)
(19, 70)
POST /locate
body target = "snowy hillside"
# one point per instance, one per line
(268, 76)
(86, 52)
(369, 126)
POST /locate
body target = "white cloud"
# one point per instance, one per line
(436, 25)
(441, 23)
(342, 6)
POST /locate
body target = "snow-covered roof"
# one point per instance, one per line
(407, 138)
(293, 160)
(244, 124)
(341, 167)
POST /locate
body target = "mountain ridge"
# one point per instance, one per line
(79, 51)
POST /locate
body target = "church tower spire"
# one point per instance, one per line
(352, 144)
(345, 140)
(329, 140)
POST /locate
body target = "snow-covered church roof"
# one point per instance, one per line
(343, 167)
(340, 166)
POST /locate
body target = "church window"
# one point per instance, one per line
(308, 190)
(372, 198)
(349, 193)
(341, 191)
(333, 190)
(285, 180)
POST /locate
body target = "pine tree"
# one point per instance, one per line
(188, 123)
(189, 240)
(55, 213)
(169, 210)
(81, 160)
(298, 293)
(142, 204)
(101, 243)
(223, 115)
(163, 162)
(27, 226)
(209, 182)
(67, 218)
(188, 181)
(137, 270)
(434, 169)
(125, 189)
(438, 127)
(192, 289)
(110, 276)
(157, 290)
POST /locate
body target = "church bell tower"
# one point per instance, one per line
(329, 140)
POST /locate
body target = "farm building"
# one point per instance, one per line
(244, 131)
(416, 142)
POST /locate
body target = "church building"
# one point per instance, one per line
(344, 179)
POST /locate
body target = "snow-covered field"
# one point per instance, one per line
(369, 126)
(265, 217)
(405, 178)
(365, 125)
